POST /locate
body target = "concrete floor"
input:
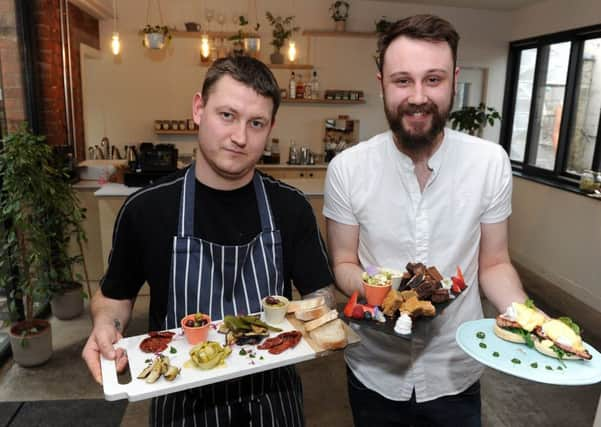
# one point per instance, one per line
(506, 401)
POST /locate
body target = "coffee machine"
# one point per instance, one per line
(149, 163)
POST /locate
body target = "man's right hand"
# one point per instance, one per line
(101, 341)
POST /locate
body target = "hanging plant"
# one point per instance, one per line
(474, 119)
(155, 36)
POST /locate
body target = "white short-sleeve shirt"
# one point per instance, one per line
(373, 185)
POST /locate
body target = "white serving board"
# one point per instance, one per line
(235, 365)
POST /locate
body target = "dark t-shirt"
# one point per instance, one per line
(148, 220)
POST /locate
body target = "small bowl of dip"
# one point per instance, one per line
(275, 308)
(196, 327)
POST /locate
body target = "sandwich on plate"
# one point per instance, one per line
(519, 322)
(560, 338)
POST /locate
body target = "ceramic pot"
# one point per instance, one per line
(69, 304)
(252, 46)
(276, 57)
(154, 40)
(340, 25)
(31, 350)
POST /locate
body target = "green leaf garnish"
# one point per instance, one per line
(172, 350)
(530, 304)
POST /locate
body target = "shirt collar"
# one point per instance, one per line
(434, 163)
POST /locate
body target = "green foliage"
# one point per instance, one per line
(282, 29)
(40, 213)
(241, 34)
(473, 119)
(382, 25)
(339, 10)
(161, 29)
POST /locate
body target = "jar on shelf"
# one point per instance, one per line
(158, 125)
(598, 181)
(587, 181)
(182, 125)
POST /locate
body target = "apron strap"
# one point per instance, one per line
(186, 211)
(267, 223)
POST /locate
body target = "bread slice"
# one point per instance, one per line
(305, 304)
(320, 321)
(331, 336)
(312, 313)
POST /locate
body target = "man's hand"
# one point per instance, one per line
(101, 341)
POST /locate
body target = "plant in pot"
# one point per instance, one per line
(155, 36)
(282, 30)
(339, 11)
(65, 226)
(474, 119)
(382, 25)
(243, 42)
(27, 199)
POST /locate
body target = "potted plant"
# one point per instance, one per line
(339, 12)
(65, 225)
(243, 42)
(27, 197)
(155, 36)
(282, 30)
(474, 119)
(382, 25)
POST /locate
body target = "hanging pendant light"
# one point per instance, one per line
(115, 41)
(291, 51)
(205, 48)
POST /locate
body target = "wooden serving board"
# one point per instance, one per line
(236, 365)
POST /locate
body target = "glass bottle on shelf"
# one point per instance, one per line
(275, 150)
(315, 94)
(300, 87)
(308, 90)
(292, 86)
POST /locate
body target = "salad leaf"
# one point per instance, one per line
(530, 304)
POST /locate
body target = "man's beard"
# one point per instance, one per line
(420, 140)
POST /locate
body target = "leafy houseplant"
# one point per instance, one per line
(382, 25)
(155, 36)
(282, 30)
(474, 119)
(38, 209)
(339, 11)
(244, 42)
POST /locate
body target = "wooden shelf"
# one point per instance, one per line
(349, 34)
(322, 101)
(175, 132)
(290, 66)
(211, 34)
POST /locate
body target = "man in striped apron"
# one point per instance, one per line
(210, 273)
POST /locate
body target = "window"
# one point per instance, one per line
(552, 105)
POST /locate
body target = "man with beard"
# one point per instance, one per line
(420, 193)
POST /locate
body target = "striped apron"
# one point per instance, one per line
(220, 280)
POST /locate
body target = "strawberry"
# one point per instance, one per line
(357, 312)
(455, 288)
(350, 305)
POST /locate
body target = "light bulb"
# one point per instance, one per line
(116, 44)
(291, 51)
(205, 48)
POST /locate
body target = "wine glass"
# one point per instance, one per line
(209, 14)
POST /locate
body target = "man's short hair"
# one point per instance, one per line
(420, 27)
(248, 71)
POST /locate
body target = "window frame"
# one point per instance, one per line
(559, 176)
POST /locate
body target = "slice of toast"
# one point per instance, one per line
(320, 321)
(331, 336)
(305, 304)
(312, 313)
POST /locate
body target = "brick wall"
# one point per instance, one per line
(49, 63)
(10, 67)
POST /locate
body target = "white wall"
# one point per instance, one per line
(123, 97)
(555, 233)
